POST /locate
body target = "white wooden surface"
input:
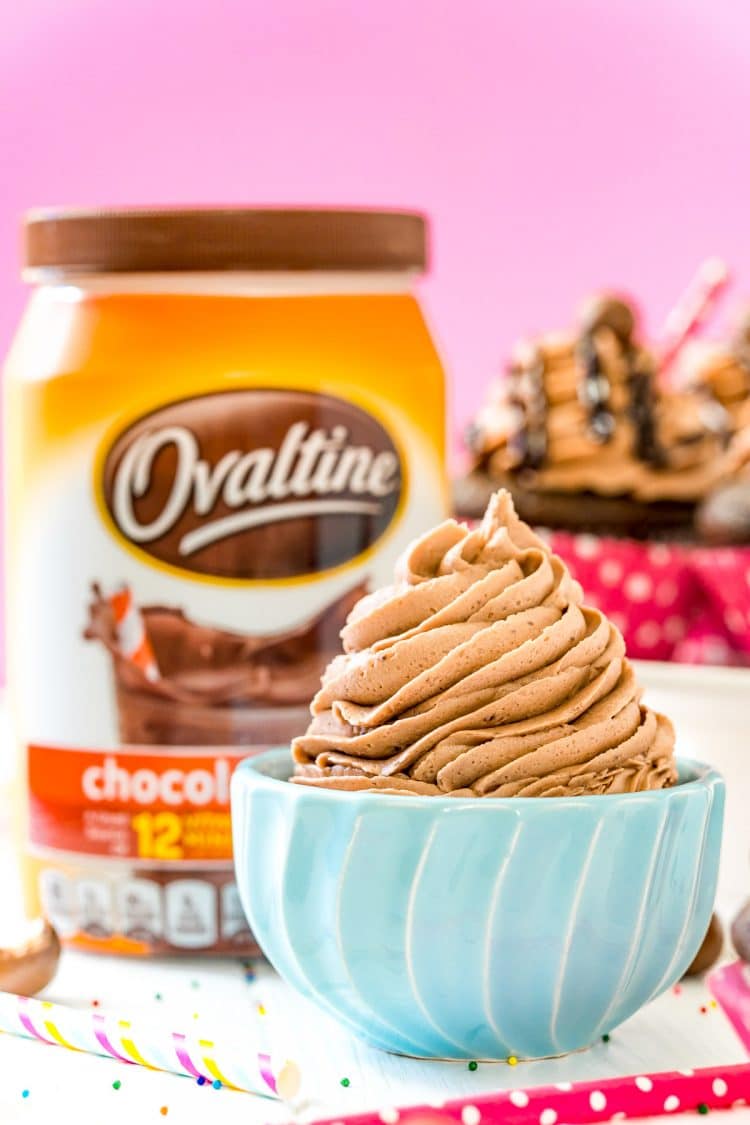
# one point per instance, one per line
(712, 713)
(671, 1034)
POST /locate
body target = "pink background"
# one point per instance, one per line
(557, 145)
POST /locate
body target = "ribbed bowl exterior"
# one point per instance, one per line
(454, 928)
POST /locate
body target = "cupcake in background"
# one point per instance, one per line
(722, 373)
(586, 438)
(633, 472)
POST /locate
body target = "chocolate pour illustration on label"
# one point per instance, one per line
(214, 687)
(255, 484)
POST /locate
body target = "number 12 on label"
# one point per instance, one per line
(158, 835)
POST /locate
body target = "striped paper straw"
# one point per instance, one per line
(132, 637)
(96, 1033)
(693, 307)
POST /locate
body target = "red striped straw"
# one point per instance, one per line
(132, 637)
(693, 308)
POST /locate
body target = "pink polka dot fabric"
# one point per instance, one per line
(670, 602)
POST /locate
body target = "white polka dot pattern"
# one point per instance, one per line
(674, 628)
(547, 1117)
(597, 1101)
(671, 1103)
(648, 634)
(696, 597)
(644, 1084)
(610, 572)
(638, 587)
(720, 1087)
(470, 1115)
(659, 554)
(519, 1098)
(588, 546)
(666, 593)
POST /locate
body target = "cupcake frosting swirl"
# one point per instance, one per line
(479, 672)
(587, 413)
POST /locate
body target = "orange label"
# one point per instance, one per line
(141, 804)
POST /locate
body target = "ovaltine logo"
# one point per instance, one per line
(253, 484)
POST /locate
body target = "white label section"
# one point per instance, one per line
(65, 685)
(95, 913)
(233, 921)
(191, 909)
(58, 897)
(139, 908)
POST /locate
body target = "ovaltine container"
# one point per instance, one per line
(222, 428)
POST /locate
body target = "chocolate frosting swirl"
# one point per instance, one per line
(480, 673)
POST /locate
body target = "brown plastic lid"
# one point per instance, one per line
(74, 242)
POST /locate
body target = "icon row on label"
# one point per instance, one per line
(190, 913)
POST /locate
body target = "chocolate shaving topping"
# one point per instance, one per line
(528, 442)
(647, 446)
(211, 679)
(595, 391)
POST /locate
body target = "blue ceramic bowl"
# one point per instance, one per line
(460, 928)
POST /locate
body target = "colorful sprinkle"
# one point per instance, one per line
(94, 1003)
(261, 1010)
(164, 1110)
(116, 1084)
(216, 1084)
(249, 974)
(195, 1015)
(677, 990)
(473, 1065)
(714, 1004)
(703, 1009)
(702, 1108)
(158, 996)
(24, 1093)
(345, 1082)
(512, 1060)
(201, 1080)
(605, 1038)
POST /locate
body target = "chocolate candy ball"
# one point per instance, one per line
(723, 519)
(741, 932)
(710, 952)
(605, 310)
